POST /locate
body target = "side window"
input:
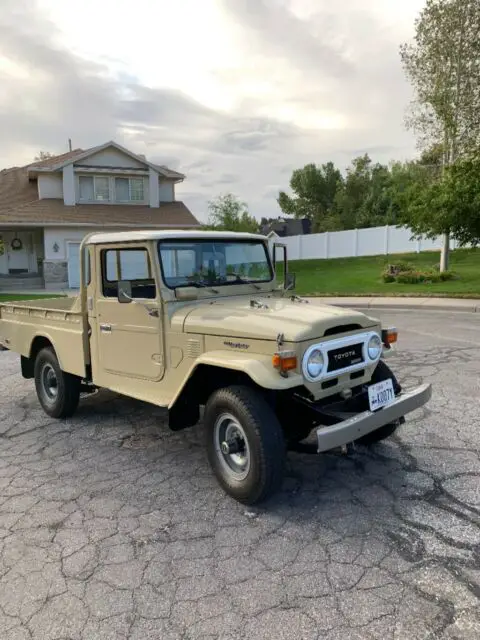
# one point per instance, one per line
(132, 265)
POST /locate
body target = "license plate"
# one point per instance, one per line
(381, 394)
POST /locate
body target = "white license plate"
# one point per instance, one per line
(381, 394)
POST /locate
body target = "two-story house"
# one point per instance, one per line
(47, 207)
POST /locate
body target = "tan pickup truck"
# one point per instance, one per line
(186, 320)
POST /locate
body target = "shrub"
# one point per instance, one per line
(405, 273)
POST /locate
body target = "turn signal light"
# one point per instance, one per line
(285, 361)
(389, 336)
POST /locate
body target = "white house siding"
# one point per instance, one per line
(166, 191)
(111, 158)
(57, 274)
(153, 188)
(50, 186)
(68, 185)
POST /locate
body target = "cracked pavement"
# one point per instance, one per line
(113, 527)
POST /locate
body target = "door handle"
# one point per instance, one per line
(106, 328)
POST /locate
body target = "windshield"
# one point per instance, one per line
(209, 263)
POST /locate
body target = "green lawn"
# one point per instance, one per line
(362, 276)
(8, 297)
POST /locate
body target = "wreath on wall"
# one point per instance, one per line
(16, 244)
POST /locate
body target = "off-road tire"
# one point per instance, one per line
(264, 436)
(382, 372)
(64, 401)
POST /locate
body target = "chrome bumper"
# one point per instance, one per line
(366, 422)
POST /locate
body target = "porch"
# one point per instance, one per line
(21, 259)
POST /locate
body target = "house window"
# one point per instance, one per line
(129, 190)
(93, 188)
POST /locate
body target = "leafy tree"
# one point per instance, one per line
(315, 189)
(2, 246)
(43, 155)
(366, 197)
(228, 213)
(443, 66)
(451, 203)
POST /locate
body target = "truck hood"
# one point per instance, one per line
(298, 321)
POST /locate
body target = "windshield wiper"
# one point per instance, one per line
(241, 280)
(200, 284)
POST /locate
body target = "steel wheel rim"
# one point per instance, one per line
(227, 429)
(49, 382)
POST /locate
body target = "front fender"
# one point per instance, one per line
(258, 367)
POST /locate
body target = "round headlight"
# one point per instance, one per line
(315, 363)
(374, 347)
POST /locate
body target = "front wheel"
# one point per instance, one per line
(57, 391)
(245, 444)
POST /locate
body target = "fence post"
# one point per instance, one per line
(355, 242)
(387, 239)
(299, 255)
(327, 244)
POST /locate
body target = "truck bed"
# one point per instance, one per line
(60, 321)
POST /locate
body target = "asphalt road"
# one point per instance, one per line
(112, 527)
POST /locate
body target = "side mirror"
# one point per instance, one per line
(125, 291)
(290, 281)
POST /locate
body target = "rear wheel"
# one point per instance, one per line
(245, 444)
(57, 391)
(381, 373)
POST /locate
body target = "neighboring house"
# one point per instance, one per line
(288, 227)
(47, 207)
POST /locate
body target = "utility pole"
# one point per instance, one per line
(69, 144)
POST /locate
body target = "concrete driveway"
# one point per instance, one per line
(111, 526)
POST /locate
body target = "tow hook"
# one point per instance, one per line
(347, 449)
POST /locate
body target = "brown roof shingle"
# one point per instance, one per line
(54, 160)
(19, 204)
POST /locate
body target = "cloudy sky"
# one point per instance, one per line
(234, 93)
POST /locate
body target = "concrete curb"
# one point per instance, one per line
(427, 304)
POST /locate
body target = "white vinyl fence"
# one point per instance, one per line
(356, 242)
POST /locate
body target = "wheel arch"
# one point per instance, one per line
(236, 368)
(39, 342)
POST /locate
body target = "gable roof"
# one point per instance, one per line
(19, 205)
(288, 227)
(59, 162)
(49, 163)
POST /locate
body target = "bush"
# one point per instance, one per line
(405, 273)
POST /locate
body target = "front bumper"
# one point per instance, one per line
(363, 423)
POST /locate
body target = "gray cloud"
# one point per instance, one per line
(280, 33)
(62, 96)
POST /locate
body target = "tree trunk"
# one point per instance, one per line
(444, 256)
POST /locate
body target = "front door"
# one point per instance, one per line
(129, 335)
(17, 248)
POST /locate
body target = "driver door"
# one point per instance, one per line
(129, 334)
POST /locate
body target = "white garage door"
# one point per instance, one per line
(73, 265)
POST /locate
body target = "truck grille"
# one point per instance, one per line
(345, 357)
